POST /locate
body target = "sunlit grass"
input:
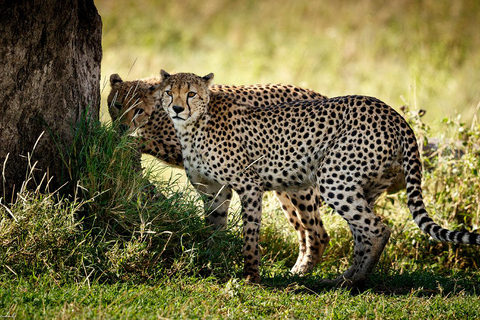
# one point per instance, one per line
(200, 298)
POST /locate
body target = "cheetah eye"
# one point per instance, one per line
(138, 111)
(191, 94)
(169, 93)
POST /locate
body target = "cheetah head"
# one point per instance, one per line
(184, 96)
(131, 102)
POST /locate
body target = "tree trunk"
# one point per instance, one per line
(49, 76)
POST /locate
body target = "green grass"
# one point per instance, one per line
(110, 223)
(116, 244)
(417, 296)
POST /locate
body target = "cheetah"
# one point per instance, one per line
(350, 148)
(130, 102)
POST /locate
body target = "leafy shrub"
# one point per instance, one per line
(110, 222)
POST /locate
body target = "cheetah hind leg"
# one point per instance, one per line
(372, 231)
(301, 210)
(368, 248)
(369, 233)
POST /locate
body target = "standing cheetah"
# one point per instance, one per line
(132, 103)
(351, 148)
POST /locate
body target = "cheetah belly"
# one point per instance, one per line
(292, 174)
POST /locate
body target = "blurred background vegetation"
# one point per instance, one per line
(424, 54)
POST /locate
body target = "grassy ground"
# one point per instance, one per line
(419, 296)
(115, 250)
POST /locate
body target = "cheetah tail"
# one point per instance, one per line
(413, 178)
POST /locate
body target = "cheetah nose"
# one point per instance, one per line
(178, 109)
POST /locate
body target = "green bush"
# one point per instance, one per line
(110, 222)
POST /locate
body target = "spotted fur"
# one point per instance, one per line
(159, 139)
(351, 148)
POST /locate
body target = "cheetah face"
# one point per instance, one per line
(130, 102)
(184, 96)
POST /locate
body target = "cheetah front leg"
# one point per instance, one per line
(251, 201)
(301, 209)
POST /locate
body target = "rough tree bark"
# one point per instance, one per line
(50, 53)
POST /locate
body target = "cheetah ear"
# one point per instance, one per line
(114, 79)
(208, 78)
(164, 74)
